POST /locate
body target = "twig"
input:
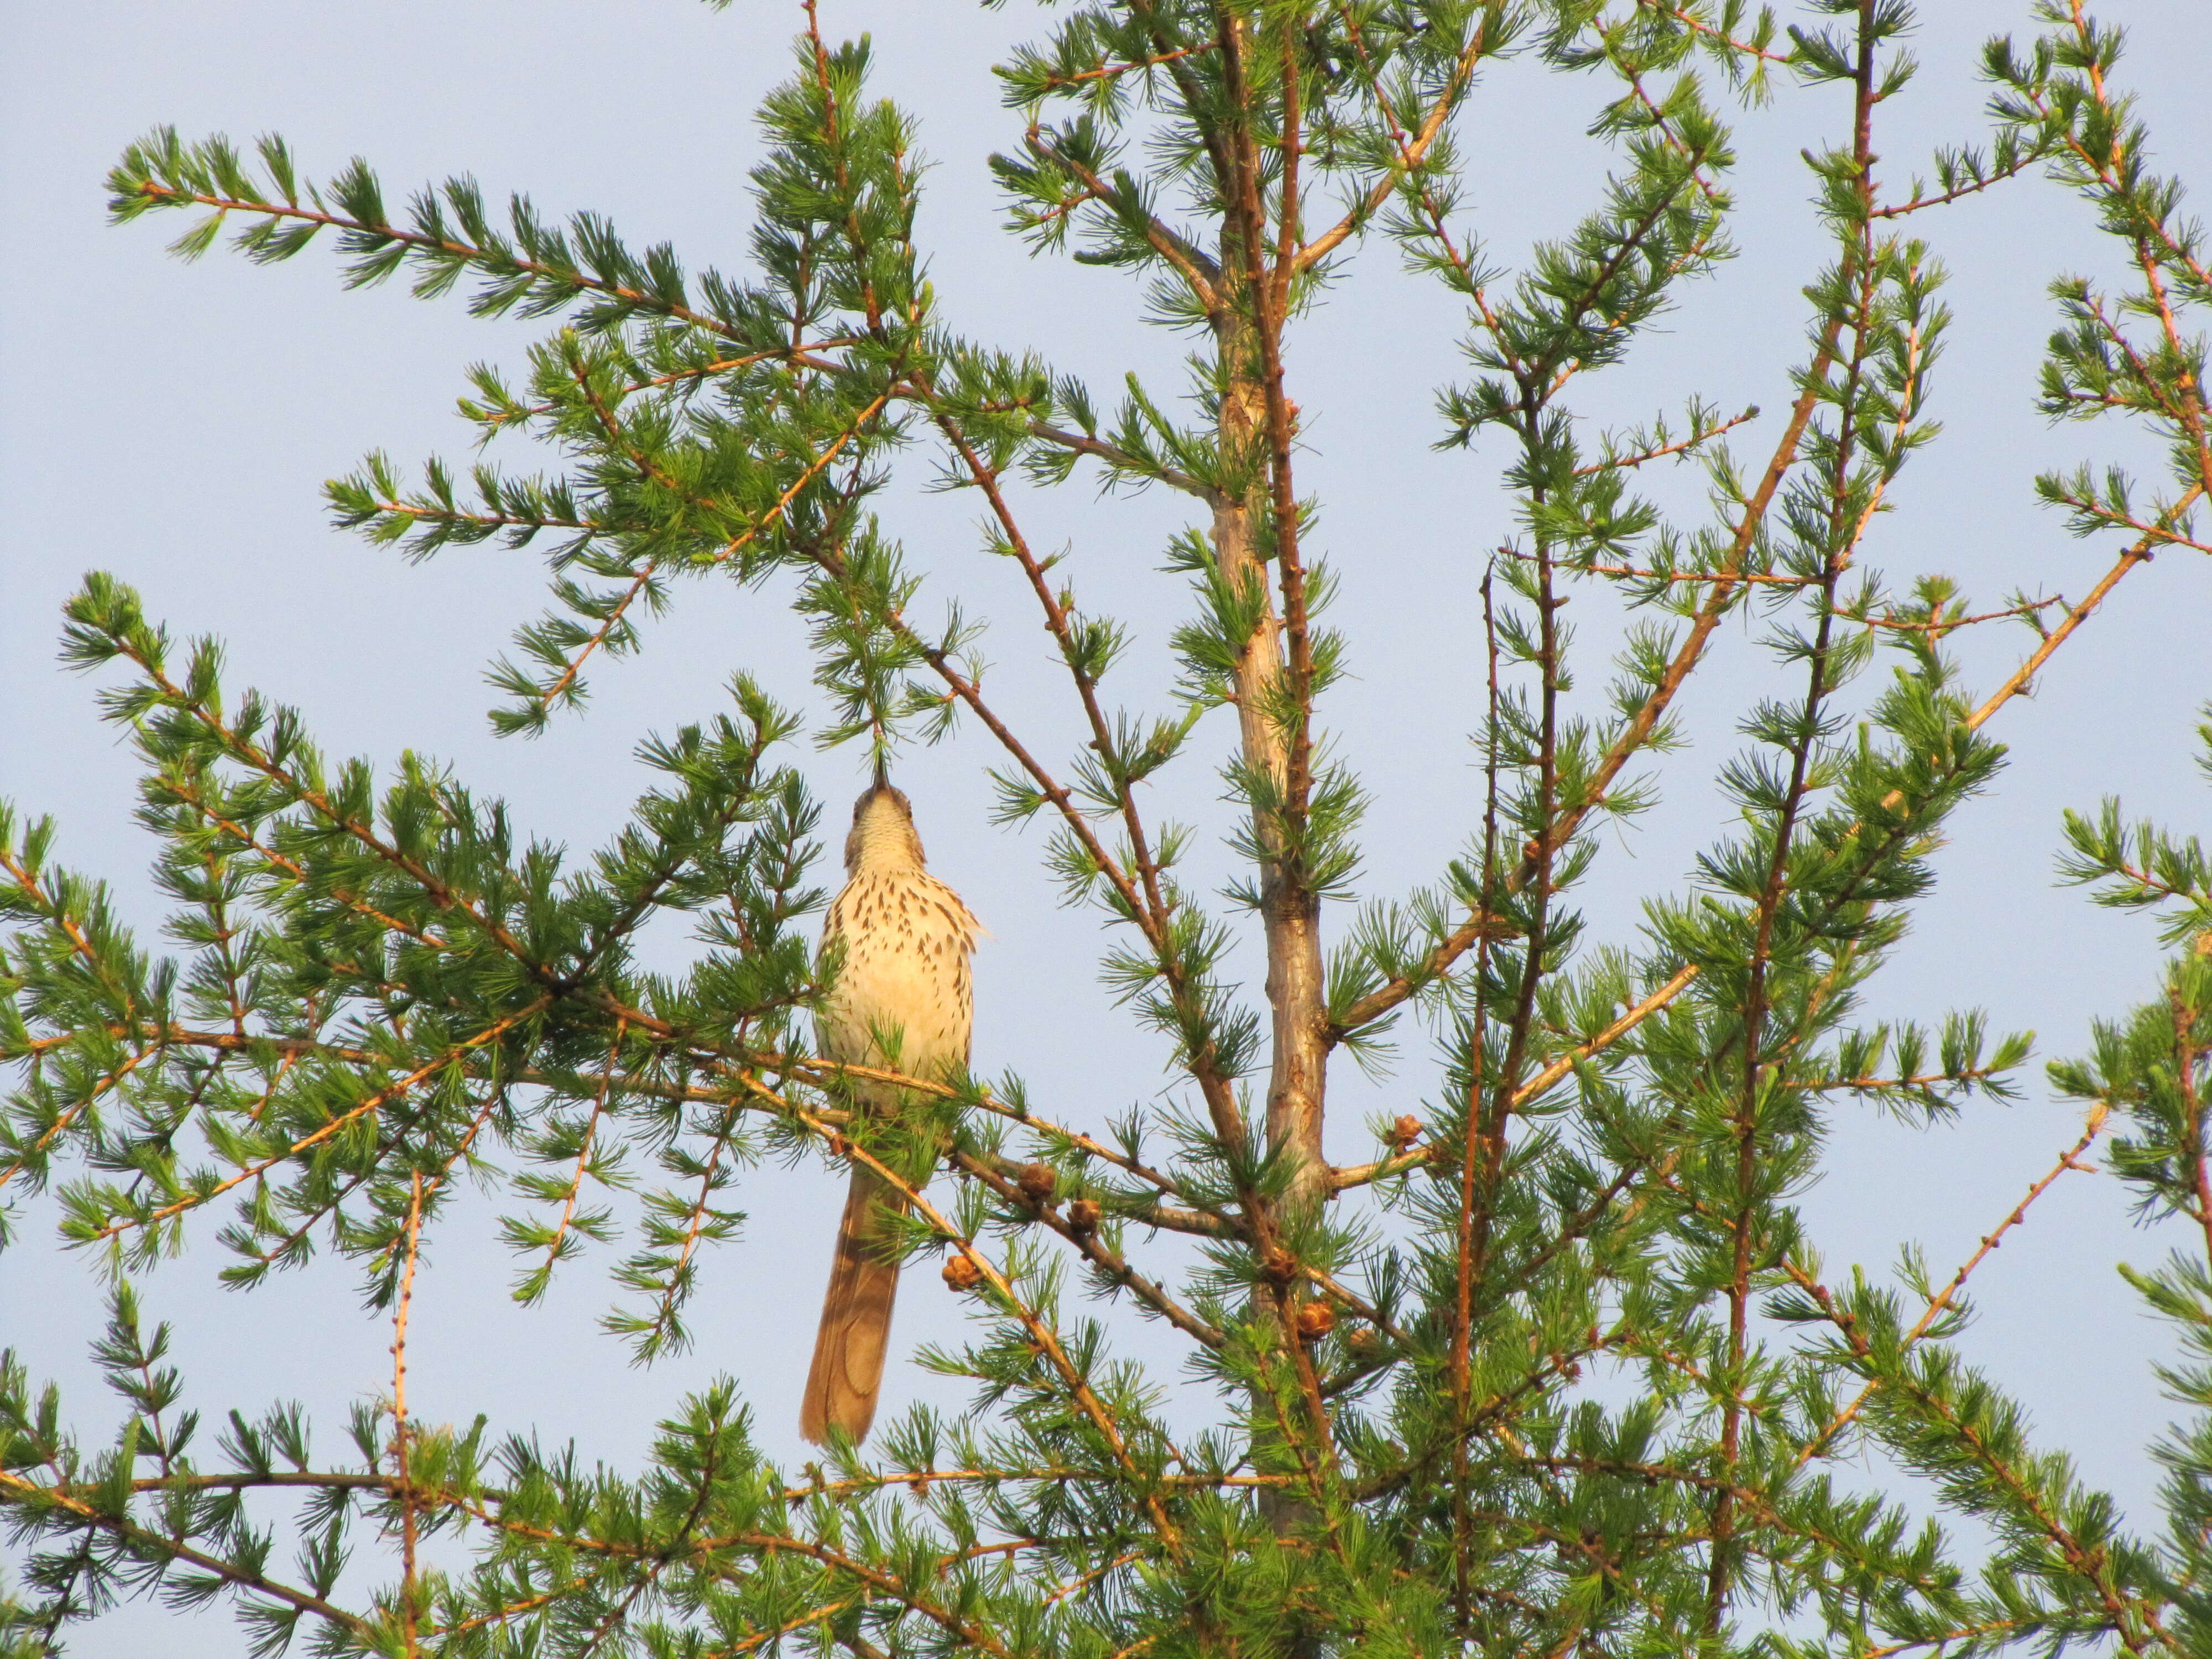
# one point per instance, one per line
(1613, 463)
(2139, 553)
(1360, 1175)
(2070, 1159)
(399, 1436)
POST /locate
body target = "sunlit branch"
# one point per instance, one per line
(1109, 1261)
(362, 1108)
(1412, 147)
(1048, 1344)
(1680, 446)
(1939, 1304)
(462, 250)
(2139, 553)
(89, 1515)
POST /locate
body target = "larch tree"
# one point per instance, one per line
(1558, 1371)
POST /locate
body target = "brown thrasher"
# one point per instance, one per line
(903, 1003)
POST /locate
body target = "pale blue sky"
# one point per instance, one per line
(174, 424)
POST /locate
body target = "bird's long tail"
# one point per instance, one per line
(856, 1316)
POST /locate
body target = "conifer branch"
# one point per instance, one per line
(84, 1515)
(365, 986)
(137, 189)
(1659, 452)
(2024, 677)
(375, 1100)
(1412, 147)
(1048, 1345)
(1109, 1261)
(1941, 1301)
(1639, 728)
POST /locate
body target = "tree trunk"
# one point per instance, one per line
(1295, 986)
(1298, 1080)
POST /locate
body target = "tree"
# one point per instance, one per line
(1558, 1371)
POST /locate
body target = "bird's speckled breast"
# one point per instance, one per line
(906, 937)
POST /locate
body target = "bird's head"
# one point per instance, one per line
(883, 837)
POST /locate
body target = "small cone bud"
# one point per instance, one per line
(1083, 1214)
(1036, 1181)
(1405, 1131)
(1316, 1320)
(962, 1274)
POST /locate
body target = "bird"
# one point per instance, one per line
(903, 1001)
